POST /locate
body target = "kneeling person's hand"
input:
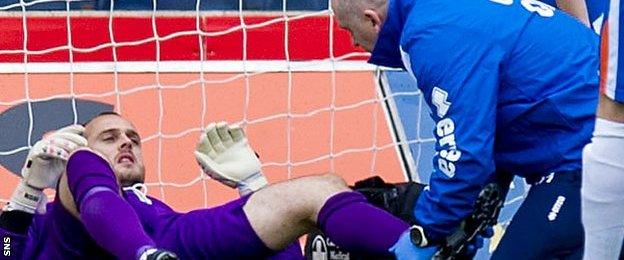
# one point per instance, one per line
(405, 249)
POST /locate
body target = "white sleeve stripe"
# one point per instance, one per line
(612, 47)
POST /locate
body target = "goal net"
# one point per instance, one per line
(306, 97)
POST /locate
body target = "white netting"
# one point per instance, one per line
(142, 90)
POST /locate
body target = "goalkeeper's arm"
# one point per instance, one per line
(43, 167)
(45, 162)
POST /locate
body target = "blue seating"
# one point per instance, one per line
(50, 6)
(267, 5)
(227, 5)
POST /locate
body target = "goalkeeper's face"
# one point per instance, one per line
(117, 139)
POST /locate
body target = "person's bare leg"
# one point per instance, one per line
(281, 213)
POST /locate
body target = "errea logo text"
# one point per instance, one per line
(445, 133)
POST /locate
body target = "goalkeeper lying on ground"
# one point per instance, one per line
(93, 218)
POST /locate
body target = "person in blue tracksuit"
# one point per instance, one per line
(512, 88)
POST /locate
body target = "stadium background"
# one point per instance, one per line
(307, 99)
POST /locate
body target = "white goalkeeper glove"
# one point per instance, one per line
(224, 154)
(44, 165)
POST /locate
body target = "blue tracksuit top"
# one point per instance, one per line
(512, 86)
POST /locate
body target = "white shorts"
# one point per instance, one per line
(603, 191)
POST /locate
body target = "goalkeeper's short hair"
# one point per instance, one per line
(99, 115)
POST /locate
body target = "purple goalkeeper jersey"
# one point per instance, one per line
(221, 232)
